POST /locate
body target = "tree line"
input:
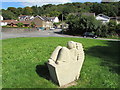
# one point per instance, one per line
(111, 9)
(80, 24)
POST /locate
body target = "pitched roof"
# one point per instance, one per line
(104, 16)
(24, 22)
(27, 17)
(51, 18)
(9, 21)
(43, 18)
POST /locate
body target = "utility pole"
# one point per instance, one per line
(62, 23)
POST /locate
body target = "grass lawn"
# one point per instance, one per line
(23, 62)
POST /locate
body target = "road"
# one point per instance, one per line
(47, 33)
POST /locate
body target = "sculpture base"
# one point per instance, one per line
(69, 84)
(65, 73)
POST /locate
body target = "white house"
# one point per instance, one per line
(2, 23)
(103, 18)
(53, 19)
(1, 18)
(25, 17)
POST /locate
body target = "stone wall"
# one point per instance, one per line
(18, 30)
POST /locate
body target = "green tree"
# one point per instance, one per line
(27, 11)
(20, 24)
(12, 9)
(81, 24)
(32, 24)
(8, 15)
(112, 27)
(19, 11)
(54, 13)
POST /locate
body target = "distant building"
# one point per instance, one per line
(53, 19)
(2, 23)
(42, 22)
(103, 18)
(25, 23)
(25, 17)
(1, 17)
(7, 22)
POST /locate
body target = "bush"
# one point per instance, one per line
(32, 24)
(20, 24)
(81, 24)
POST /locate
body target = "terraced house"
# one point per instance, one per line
(42, 22)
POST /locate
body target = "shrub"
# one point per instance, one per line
(32, 24)
(81, 24)
(20, 24)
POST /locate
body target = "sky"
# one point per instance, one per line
(24, 3)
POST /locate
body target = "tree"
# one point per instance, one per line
(12, 9)
(19, 11)
(20, 24)
(54, 13)
(27, 11)
(81, 24)
(7, 15)
(32, 24)
(35, 10)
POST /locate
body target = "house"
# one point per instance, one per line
(2, 23)
(42, 22)
(7, 22)
(25, 17)
(25, 23)
(53, 19)
(103, 18)
(1, 17)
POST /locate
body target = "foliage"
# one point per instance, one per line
(20, 24)
(8, 15)
(32, 24)
(27, 11)
(118, 27)
(54, 13)
(12, 9)
(81, 24)
(110, 9)
(23, 62)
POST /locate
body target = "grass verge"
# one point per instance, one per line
(24, 58)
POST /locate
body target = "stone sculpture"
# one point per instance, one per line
(65, 63)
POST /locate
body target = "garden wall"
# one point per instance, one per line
(18, 30)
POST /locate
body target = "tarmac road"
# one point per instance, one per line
(46, 33)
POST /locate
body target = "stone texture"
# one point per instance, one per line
(65, 63)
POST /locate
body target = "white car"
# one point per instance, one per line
(52, 28)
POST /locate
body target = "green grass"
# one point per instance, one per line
(24, 58)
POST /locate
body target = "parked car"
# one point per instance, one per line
(52, 28)
(89, 34)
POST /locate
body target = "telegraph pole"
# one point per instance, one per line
(62, 23)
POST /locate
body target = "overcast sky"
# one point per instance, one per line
(23, 3)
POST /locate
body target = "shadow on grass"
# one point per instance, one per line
(110, 55)
(42, 71)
